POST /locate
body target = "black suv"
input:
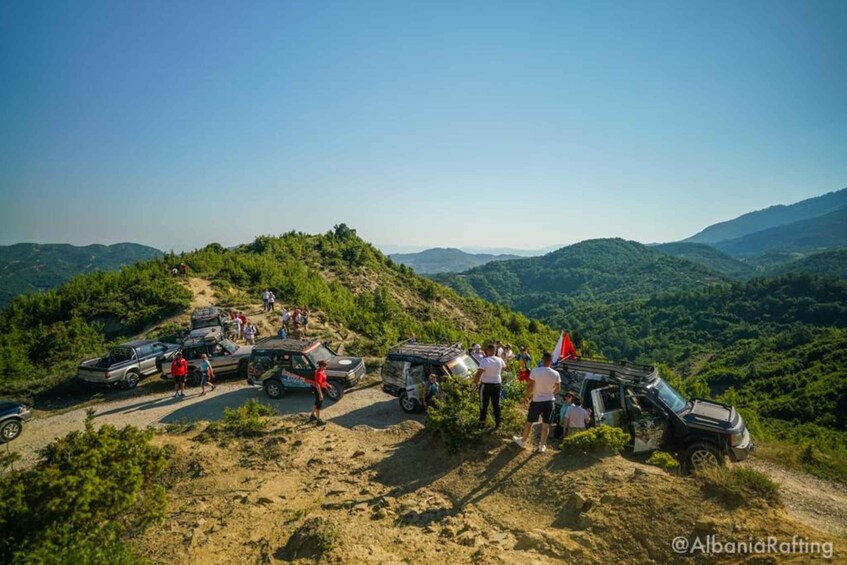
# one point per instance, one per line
(636, 399)
(280, 365)
(408, 366)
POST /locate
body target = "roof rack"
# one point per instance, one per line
(437, 352)
(622, 371)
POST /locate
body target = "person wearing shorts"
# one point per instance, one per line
(544, 383)
(179, 371)
(206, 374)
(524, 360)
(320, 386)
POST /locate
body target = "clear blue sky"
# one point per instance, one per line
(486, 124)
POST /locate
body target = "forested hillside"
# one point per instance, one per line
(30, 267)
(440, 260)
(337, 274)
(772, 217)
(709, 257)
(595, 270)
(815, 234)
(828, 263)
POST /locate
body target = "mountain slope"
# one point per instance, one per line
(772, 217)
(708, 257)
(593, 270)
(30, 267)
(827, 263)
(346, 283)
(445, 260)
(815, 234)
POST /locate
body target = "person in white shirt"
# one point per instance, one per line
(476, 353)
(286, 317)
(489, 392)
(271, 301)
(544, 383)
(250, 334)
(239, 330)
(265, 297)
(577, 417)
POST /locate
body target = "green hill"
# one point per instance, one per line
(344, 280)
(827, 263)
(772, 217)
(441, 260)
(815, 234)
(605, 270)
(32, 267)
(708, 257)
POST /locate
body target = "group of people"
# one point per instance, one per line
(294, 322)
(268, 301)
(543, 384)
(507, 354)
(179, 371)
(242, 328)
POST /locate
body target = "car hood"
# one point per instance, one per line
(343, 364)
(243, 350)
(711, 415)
(203, 332)
(9, 407)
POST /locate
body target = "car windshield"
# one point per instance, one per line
(207, 323)
(669, 395)
(462, 366)
(320, 353)
(229, 346)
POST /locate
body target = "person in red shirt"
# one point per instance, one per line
(320, 386)
(179, 371)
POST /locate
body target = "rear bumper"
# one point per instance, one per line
(95, 379)
(744, 449)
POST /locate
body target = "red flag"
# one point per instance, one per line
(568, 350)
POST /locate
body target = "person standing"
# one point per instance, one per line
(271, 301)
(544, 383)
(498, 349)
(238, 327)
(265, 299)
(286, 318)
(206, 374)
(576, 418)
(524, 360)
(320, 386)
(433, 390)
(179, 371)
(476, 353)
(250, 334)
(488, 376)
(243, 318)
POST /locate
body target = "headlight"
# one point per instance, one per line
(736, 439)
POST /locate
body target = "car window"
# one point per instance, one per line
(463, 366)
(416, 374)
(320, 353)
(299, 361)
(393, 372)
(229, 346)
(160, 347)
(121, 354)
(218, 350)
(145, 350)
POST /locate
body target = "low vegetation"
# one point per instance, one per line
(455, 417)
(664, 460)
(250, 419)
(737, 486)
(598, 440)
(90, 491)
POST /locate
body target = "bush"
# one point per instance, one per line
(664, 460)
(455, 418)
(737, 486)
(90, 490)
(605, 439)
(249, 419)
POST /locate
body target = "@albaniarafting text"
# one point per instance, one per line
(713, 545)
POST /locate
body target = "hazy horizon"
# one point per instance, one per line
(468, 125)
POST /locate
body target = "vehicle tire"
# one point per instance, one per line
(334, 390)
(409, 405)
(242, 369)
(10, 429)
(130, 380)
(702, 456)
(274, 389)
(193, 378)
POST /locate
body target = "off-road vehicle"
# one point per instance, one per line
(209, 321)
(12, 418)
(282, 365)
(638, 400)
(125, 364)
(408, 366)
(226, 357)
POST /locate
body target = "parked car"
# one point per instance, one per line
(282, 365)
(209, 322)
(226, 357)
(408, 366)
(638, 400)
(12, 418)
(125, 364)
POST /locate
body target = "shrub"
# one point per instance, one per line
(664, 460)
(599, 439)
(249, 419)
(737, 486)
(455, 418)
(89, 491)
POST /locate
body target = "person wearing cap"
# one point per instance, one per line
(543, 385)
(320, 385)
(476, 353)
(179, 371)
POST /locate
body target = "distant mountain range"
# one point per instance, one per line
(709, 257)
(30, 267)
(772, 217)
(445, 260)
